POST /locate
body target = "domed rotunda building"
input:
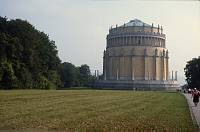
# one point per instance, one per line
(136, 58)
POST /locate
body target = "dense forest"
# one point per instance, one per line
(29, 60)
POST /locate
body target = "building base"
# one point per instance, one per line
(146, 85)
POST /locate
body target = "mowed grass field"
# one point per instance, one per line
(93, 110)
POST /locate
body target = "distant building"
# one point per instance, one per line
(136, 58)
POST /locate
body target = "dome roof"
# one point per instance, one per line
(135, 22)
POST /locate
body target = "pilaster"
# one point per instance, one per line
(156, 65)
(104, 65)
(163, 68)
(132, 68)
(146, 69)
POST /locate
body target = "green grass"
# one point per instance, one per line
(93, 110)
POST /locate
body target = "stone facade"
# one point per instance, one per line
(135, 52)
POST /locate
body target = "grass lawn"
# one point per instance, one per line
(93, 110)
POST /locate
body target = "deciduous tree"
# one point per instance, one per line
(192, 73)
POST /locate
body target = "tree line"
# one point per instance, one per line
(29, 60)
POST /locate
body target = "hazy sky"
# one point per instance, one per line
(79, 27)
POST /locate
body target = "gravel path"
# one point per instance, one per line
(195, 111)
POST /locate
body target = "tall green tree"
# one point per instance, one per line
(72, 76)
(8, 79)
(84, 70)
(192, 73)
(68, 74)
(30, 57)
(85, 74)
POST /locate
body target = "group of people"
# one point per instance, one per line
(195, 95)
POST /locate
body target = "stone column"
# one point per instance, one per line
(131, 40)
(150, 40)
(153, 41)
(132, 68)
(117, 75)
(129, 75)
(146, 68)
(163, 65)
(167, 66)
(146, 40)
(110, 69)
(122, 40)
(104, 66)
(118, 68)
(154, 76)
(176, 76)
(163, 68)
(121, 67)
(117, 40)
(156, 65)
(134, 40)
(127, 40)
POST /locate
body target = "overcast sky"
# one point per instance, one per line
(79, 27)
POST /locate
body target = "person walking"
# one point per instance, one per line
(195, 95)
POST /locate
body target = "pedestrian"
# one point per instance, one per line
(195, 95)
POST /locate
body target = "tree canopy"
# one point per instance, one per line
(75, 76)
(29, 59)
(192, 73)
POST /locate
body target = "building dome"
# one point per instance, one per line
(135, 22)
